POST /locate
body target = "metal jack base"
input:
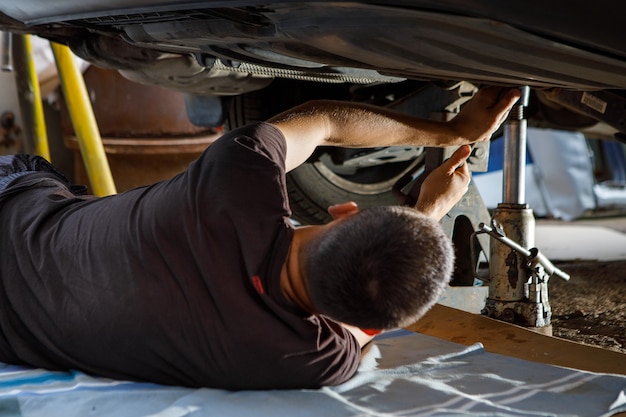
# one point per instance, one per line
(518, 277)
(514, 296)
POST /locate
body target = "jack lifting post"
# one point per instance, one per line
(518, 273)
(84, 121)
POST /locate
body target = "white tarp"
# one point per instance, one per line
(402, 374)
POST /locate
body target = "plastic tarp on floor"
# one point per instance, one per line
(402, 374)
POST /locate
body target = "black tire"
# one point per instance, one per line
(314, 186)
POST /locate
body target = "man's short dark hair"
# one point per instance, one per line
(381, 268)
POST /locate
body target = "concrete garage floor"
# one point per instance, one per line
(600, 238)
(591, 307)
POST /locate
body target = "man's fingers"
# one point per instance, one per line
(338, 211)
(506, 101)
(458, 157)
(498, 98)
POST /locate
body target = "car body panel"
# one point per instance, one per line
(537, 43)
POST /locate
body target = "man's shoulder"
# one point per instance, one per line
(261, 138)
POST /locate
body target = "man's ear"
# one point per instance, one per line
(342, 210)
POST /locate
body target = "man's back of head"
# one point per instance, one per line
(381, 268)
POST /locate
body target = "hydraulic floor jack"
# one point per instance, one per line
(518, 272)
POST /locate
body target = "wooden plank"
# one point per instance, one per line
(508, 339)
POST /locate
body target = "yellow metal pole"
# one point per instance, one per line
(84, 121)
(30, 94)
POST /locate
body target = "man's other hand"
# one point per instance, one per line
(445, 185)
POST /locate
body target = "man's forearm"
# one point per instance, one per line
(360, 125)
(349, 124)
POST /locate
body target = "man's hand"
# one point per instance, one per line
(483, 114)
(445, 185)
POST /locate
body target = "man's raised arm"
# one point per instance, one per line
(347, 124)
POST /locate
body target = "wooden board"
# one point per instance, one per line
(508, 339)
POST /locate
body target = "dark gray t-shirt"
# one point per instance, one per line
(176, 283)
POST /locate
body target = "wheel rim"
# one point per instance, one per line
(370, 179)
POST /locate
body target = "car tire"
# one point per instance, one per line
(314, 186)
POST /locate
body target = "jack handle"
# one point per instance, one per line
(533, 256)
